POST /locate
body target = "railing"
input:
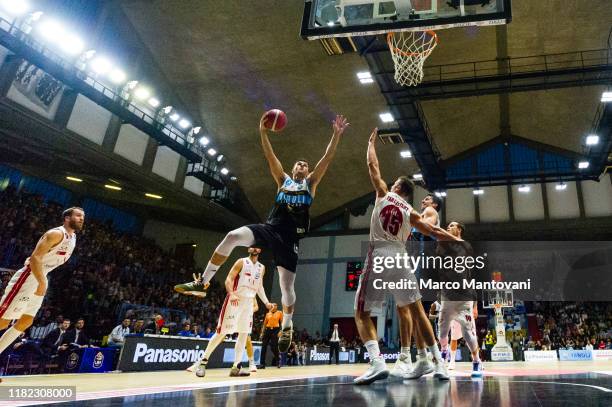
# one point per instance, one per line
(112, 94)
(518, 65)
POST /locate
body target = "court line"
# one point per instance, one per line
(278, 387)
(604, 389)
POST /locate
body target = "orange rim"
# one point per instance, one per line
(408, 54)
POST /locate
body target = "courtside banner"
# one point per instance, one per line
(575, 354)
(602, 354)
(319, 355)
(159, 352)
(540, 356)
(387, 354)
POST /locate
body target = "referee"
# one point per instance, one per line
(270, 332)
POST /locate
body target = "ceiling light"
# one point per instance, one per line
(15, 7)
(142, 93)
(386, 117)
(113, 187)
(364, 75)
(478, 191)
(184, 123)
(561, 186)
(71, 44)
(366, 81)
(592, 139)
(34, 16)
(606, 97)
(524, 189)
(405, 154)
(440, 194)
(101, 65)
(417, 177)
(194, 245)
(220, 158)
(117, 76)
(75, 179)
(153, 102)
(197, 129)
(175, 116)
(167, 110)
(153, 196)
(204, 140)
(583, 165)
(224, 171)
(212, 152)
(234, 178)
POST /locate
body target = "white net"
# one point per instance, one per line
(409, 50)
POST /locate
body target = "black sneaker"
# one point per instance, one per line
(238, 372)
(284, 339)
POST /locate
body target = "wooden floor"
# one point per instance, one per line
(98, 386)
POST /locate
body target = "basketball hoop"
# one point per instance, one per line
(409, 50)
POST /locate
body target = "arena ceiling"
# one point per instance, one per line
(229, 61)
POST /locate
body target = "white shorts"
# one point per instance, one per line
(18, 298)
(236, 318)
(455, 316)
(371, 292)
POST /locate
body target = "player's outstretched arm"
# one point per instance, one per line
(430, 230)
(379, 185)
(276, 168)
(339, 125)
(50, 239)
(261, 293)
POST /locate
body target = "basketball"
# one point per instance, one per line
(275, 120)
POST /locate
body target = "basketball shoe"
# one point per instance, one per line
(402, 366)
(196, 287)
(284, 338)
(376, 371)
(237, 372)
(422, 367)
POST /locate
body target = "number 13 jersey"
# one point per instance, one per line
(390, 220)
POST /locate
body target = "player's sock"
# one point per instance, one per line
(209, 272)
(435, 352)
(9, 337)
(286, 320)
(421, 353)
(452, 355)
(239, 348)
(405, 350)
(372, 348)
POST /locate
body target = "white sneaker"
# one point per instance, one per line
(252, 366)
(451, 365)
(376, 371)
(201, 370)
(193, 367)
(402, 366)
(421, 367)
(440, 370)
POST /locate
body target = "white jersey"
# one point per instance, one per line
(390, 220)
(250, 279)
(60, 253)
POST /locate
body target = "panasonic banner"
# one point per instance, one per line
(159, 352)
(319, 355)
(540, 356)
(575, 354)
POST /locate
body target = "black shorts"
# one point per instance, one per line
(284, 247)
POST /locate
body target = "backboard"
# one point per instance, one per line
(342, 18)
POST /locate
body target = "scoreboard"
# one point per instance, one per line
(353, 271)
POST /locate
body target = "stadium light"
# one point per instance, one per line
(583, 165)
(113, 187)
(204, 141)
(561, 186)
(184, 123)
(234, 178)
(197, 129)
(51, 30)
(75, 179)
(386, 117)
(35, 16)
(440, 194)
(224, 171)
(524, 188)
(606, 97)
(417, 177)
(117, 76)
(365, 77)
(101, 65)
(194, 245)
(71, 44)
(478, 191)
(175, 116)
(212, 152)
(153, 196)
(405, 154)
(592, 139)
(141, 93)
(15, 7)
(220, 158)
(153, 102)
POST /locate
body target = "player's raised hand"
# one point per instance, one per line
(374, 135)
(270, 305)
(340, 124)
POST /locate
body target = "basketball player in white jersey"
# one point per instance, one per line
(288, 222)
(243, 283)
(26, 290)
(390, 228)
(458, 306)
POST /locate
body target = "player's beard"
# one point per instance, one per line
(74, 225)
